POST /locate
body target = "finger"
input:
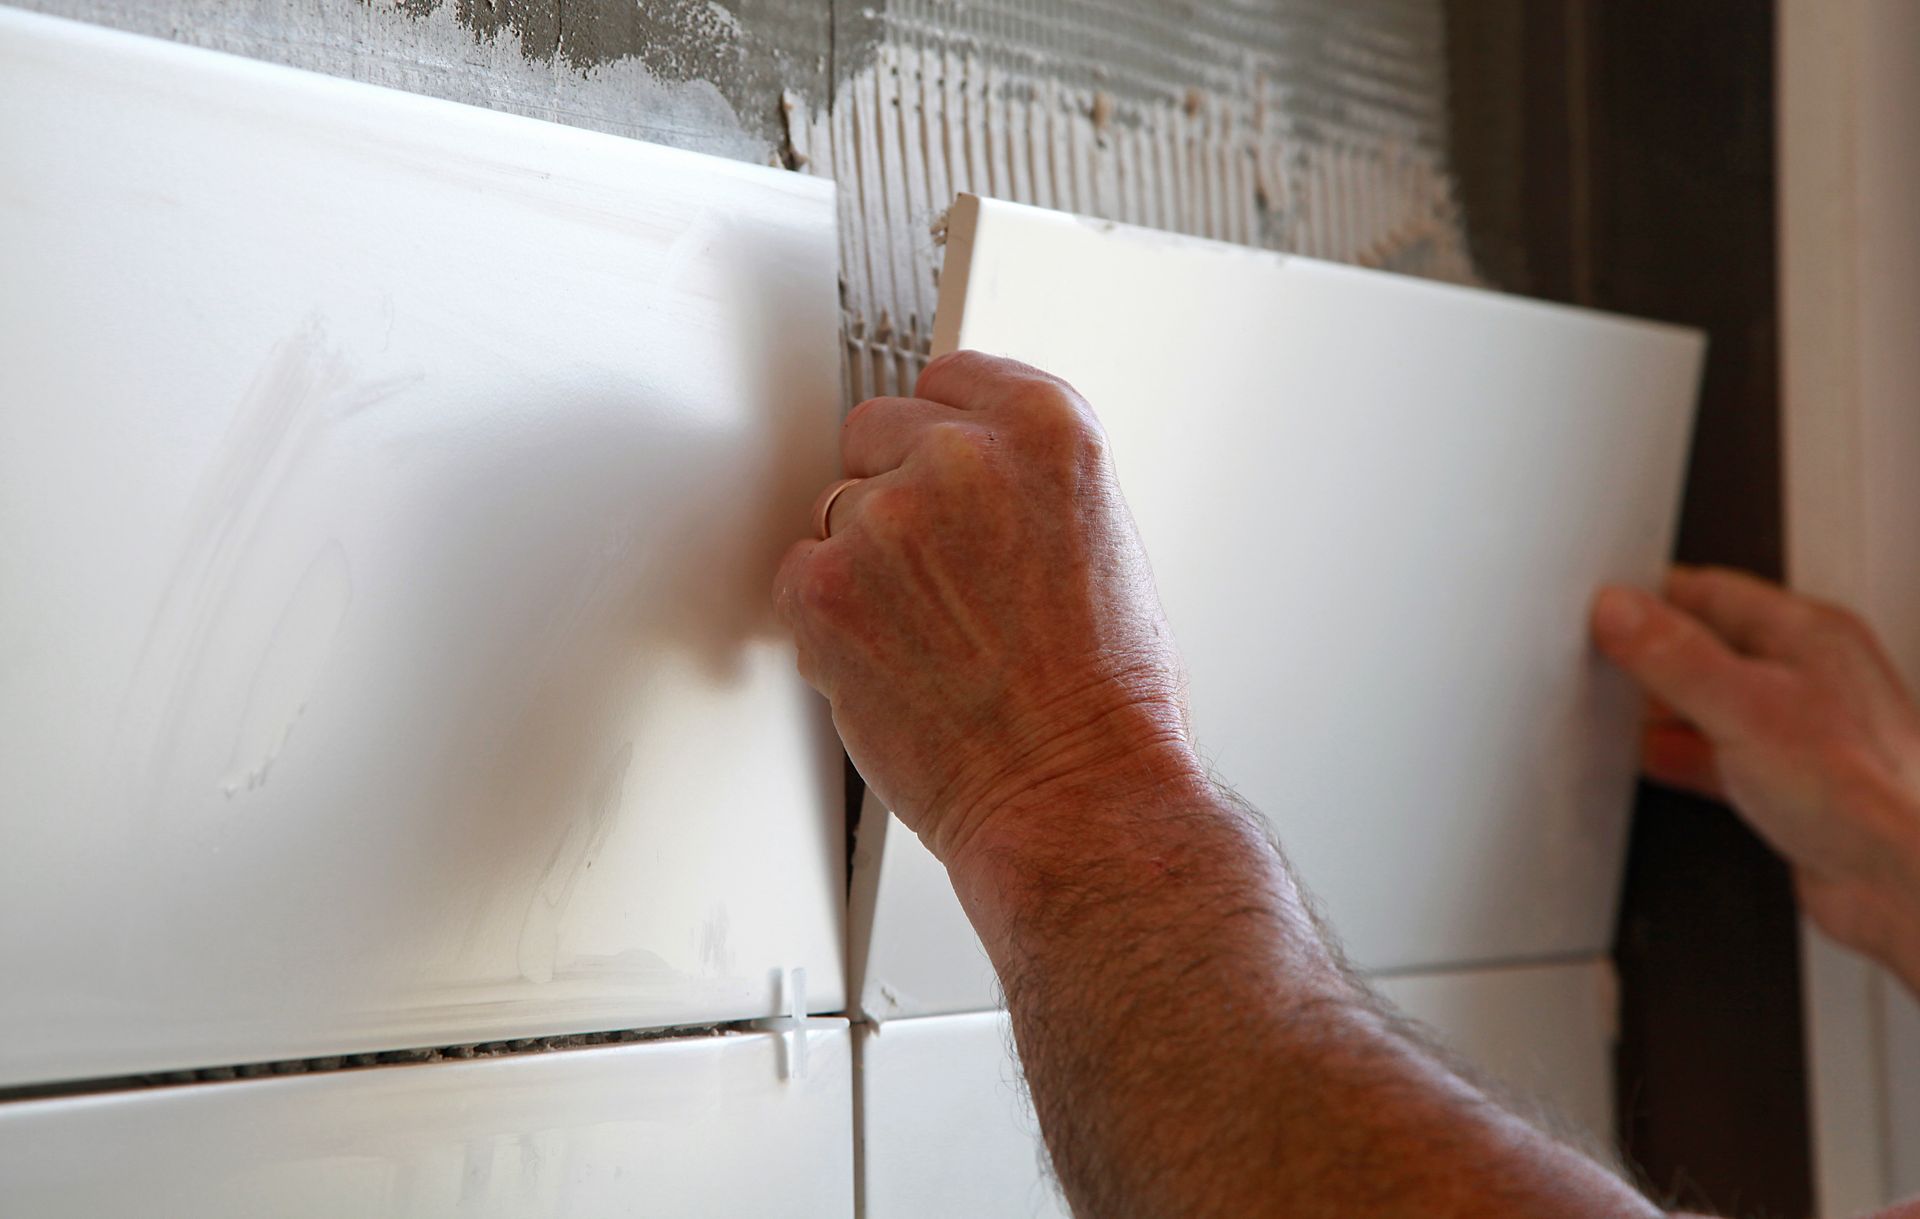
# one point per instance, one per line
(1766, 620)
(1755, 616)
(1677, 660)
(880, 432)
(824, 502)
(787, 578)
(1677, 755)
(845, 510)
(1658, 712)
(974, 380)
(796, 568)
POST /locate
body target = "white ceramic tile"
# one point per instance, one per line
(676, 1129)
(1900, 1027)
(922, 956)
(946, 1128)
(1543, 1032)
(1377, 509)
(389, 494)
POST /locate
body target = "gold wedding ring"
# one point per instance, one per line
(822, 520)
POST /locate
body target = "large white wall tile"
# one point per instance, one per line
(1543, 1032)
(389, 495)
(711, 1126)
(1377, 509)
(946, 1128)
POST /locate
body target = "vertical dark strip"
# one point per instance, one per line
(1712, 1083)
(1626, 149)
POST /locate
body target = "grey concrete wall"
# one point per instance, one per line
(689, 73)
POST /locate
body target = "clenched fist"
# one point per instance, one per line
(981, 614)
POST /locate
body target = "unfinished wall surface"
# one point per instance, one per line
(1314, 126)
(1299, 125)
(682, 72)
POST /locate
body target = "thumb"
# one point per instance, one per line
(1677, 660)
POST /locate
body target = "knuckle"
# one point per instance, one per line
(806, 666)
(1713, 585)
(963, 358)
(1056, 419)
(952, 359)
(860, 416)
(822, 589)
(1843, 623)
(889, 512)
(1777, 634)
(1040, 399)
(957, 444)
(1668, 639)
(965, 365)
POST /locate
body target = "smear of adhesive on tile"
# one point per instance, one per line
(290, 671)
(221, 575)
(582, 841)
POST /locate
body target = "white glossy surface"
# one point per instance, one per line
(1377, 509)
(1544, 1033)
(671, 1129)
(922, 956)
(946, 1128)
(389, 494)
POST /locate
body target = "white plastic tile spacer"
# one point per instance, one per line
(795, 1022)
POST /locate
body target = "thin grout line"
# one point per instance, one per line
(1487, 965)
(328, 1064)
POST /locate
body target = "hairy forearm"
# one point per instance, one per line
(1193, 1047)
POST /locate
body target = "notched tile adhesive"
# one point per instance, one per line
(687, 73)
(1308, 126)
(1311, 126)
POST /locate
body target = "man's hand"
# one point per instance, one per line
(1788, 710)
(982, 617)
(983, 620)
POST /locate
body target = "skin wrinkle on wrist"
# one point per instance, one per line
(1154, 757)
(1065, 863)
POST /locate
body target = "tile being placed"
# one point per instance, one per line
(389, 494)
(1544, 1033)
(1377, 509)
(946, 1129)
(923, 955)
(713, 1126)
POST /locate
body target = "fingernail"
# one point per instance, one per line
(1618, 613)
